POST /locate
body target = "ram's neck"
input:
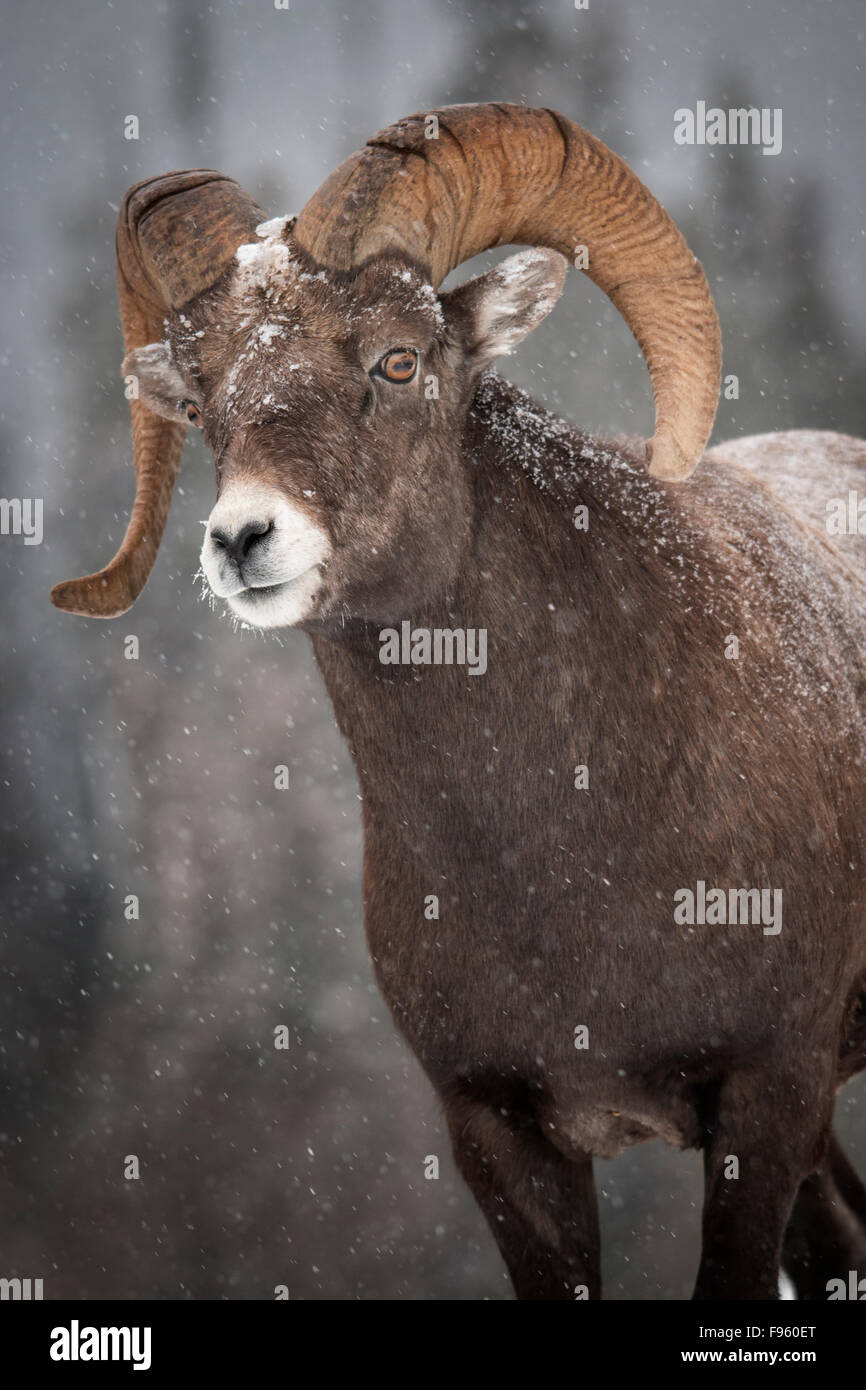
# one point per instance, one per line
(572, 575)
(600, 488)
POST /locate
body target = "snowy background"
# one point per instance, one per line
(155, 1037)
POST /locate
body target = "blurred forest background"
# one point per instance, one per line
(154, 777)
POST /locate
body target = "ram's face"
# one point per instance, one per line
(333, 409)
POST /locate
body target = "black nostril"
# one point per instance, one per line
(239, 546)
(249, 536)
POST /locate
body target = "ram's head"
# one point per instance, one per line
(332, 380)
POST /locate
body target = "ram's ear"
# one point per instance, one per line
(494, 312)
(152, 377)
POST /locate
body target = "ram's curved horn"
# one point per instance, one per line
(175, 236)
(443, 185)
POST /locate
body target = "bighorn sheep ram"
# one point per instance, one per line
(697, 651)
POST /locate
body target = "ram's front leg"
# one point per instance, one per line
(541, 1206)
(767, 1133)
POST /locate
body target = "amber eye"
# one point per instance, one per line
(399, 365)
(192, 413)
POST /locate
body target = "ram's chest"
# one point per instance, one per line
(523, 920)
(488, 993)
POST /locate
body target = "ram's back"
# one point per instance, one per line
(817, 475)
